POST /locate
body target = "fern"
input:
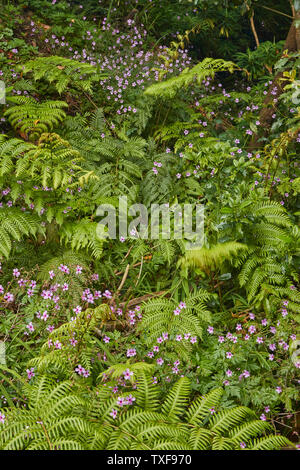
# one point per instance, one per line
(176, 400)
(159, 317)
(50, 163)
(63, 72)
(207, 68)
(60, 416)
(212, 258)
(83, 236)
(53, 412)
(82, 328)
(31, 118)
(15, 225)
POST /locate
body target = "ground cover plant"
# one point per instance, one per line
(133, 342)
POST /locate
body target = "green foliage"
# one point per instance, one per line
(212, 258)
(207, 68)
(14, 226)
(255, 62)
(63, 72)
(83, 236)
(97, 330)
(31, 119)
(59, 417)
(53, 420)
(159, 317)
(64, 359)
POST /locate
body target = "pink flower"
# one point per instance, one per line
(79, 369)
(78, 269)
(127, 374)
(30, 373)
(107, 294)
(130, 399)
(131, 352)
(121, 401)
(113, 413)
(77, 309)
(44, 316)
(30, 327)
(46, 294)
(9, 297)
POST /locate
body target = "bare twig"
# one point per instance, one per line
(123, 279)
(139, 300)
(140, 272)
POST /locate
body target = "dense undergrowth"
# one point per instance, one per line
(133, 342)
